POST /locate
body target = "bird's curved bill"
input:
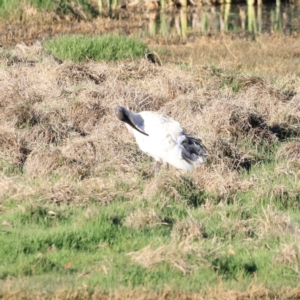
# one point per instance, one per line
(130, 122)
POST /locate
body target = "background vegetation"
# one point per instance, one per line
(82, 213)
(21, 8)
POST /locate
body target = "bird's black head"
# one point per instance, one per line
(120, 112)
(126, 116)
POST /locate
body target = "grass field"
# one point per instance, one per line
(82, 214)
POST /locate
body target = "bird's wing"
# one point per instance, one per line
(160, 125)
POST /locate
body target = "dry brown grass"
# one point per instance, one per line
(190, 229)
(172, 253)
(254, 292)
(230, 155)
(162, 185)
(12, 147)
(143, 218)
(270, 55)
(57, 118)
(275, 223)
(289, 255)
(291, 152)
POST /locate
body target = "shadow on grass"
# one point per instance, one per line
(230, 267)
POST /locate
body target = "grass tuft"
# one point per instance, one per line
(107, 47)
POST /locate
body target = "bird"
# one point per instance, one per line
(162, 138)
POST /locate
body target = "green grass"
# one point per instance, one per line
(89, 245)
(107, 47)
(49, 247)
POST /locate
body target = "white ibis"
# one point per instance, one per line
(162, 138)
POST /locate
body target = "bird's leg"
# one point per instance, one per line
(166, 165)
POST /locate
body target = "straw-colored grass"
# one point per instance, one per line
(81, 209)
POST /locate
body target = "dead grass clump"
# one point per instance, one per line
(42, 162)
(268, 223)
(70, 72)
(173, 253)
(143, 218)
(22, 95)
(23, 54)
(285, 196)
(47, 161)
(291, 152)
(259, 86)
(85, 151)
(12, 148)
(287, 129)
(8, 187)
(84, 116)
(105, 189)
(61, 193)
(19, 111)
(289, 255)
(50, 125)
(216, 180)
(250, 81)
(219, 181)
(245, 123)
(143, 101)
(155, 87)
(227, 153)
(273, 222)
(231, 228)
(101, 190)
(190, 229)
(13, 60)
(161, 185)
(46, 134)
(181, 83)
(187, 109)
(138, 70)
(237, 122)
(179, 188)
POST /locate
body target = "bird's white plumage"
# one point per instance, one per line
(164, 140)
